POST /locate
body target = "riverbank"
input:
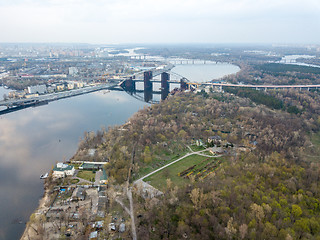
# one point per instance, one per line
(29, 232)
(43, 136)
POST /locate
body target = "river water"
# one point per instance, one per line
(32, 140)
(205, 72)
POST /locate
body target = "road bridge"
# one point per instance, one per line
(147, 77)
(17, 104)
(301, 86)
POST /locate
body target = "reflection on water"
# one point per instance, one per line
(33, 139)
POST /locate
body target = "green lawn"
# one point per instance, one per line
(313, 153)
(157, 163)
(316, 139)
(158, 180)
(87, 175)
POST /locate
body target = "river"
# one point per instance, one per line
(32, 140)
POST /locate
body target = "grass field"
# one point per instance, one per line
(313, 153)
(196, 162)
(159, 163)
(87, 175)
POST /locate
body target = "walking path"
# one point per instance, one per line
(133, 225)
(187, 155)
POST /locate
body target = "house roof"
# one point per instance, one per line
(93, 235)
(91, 165)
(104, 175)
(61, 167)
(216, 137)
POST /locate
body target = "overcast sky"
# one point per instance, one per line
(161, 21)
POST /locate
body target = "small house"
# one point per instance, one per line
(199, 143)
(93, 235)
(112, 226)
(98, 225)
(103, 178)
(214, 140)
(78, 194)
(122, 228)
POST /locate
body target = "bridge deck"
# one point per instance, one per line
(55, 96)
(263, 86)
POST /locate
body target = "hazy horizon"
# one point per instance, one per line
(165, 22)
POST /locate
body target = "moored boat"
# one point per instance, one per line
(44, 176)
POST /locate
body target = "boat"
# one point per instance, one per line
(44, 176)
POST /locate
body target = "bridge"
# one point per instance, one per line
(126, 84)
(265, 87)
(147, 78)
(129, 84)
(17, 104)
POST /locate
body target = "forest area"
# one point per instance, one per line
(270, 192)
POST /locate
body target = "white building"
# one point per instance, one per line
(61, 170)
(73, 71)
(40, 89)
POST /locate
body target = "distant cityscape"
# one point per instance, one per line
(31, 71)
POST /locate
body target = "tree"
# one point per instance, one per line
(230, 229)
(194, 195)
(147, 155)
(296, 211)
(243, 230)
(257, 211)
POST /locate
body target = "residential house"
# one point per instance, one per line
(103, 178)
(62, 170)
(214, 140)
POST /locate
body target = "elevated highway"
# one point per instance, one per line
(307, 86)
(53, 96)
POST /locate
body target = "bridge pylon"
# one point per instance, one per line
(165, 77)
(147, 76)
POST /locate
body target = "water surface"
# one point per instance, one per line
(205, 72)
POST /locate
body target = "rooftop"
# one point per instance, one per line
(62, 167)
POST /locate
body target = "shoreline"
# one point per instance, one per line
(28, 232)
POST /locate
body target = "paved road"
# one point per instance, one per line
(263, 86)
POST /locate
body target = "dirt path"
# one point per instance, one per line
(187, 155)
(133, 225)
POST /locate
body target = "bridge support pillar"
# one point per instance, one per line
(164, 81)
(183, 84)
(147, 81)
(164, 85)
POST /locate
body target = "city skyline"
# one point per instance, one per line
(175, 21)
